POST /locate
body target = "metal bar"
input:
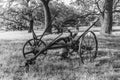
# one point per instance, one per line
(88, 28)
(57, 47)
(44, 49)
(52, 43)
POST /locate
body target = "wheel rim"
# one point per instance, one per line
(32, 47)
(88, 47)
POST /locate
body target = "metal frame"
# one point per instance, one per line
(54, 44)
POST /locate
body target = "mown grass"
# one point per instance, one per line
(105, 67)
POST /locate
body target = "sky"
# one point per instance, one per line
(67, 1)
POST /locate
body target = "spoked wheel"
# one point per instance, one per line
(32, 47)
(88, 47)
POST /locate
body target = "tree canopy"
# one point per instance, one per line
(18, 14)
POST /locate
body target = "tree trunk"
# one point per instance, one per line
(47, 16)
(106, 18)
(31, 21)
(31, 26)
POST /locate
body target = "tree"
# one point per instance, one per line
(105, 8)
(47, 15)
(63, 14)
(31, 20)
(106, 17)
(23, 14)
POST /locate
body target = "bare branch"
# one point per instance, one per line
(9, 19)
(44, 1)
(97, 4)
(116, 11)
(27, 1)
(48, 1)
(35, 8)
(115, 4)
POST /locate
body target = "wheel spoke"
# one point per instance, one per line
(89, 37)
(92, 42)
(84, 42)
(31, 48)
(28, 52)
(30, 43)
(88, 47)
(87, 40)
(39, 44)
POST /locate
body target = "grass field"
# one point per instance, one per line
(105, 67)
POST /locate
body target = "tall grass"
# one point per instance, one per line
(52, 68)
